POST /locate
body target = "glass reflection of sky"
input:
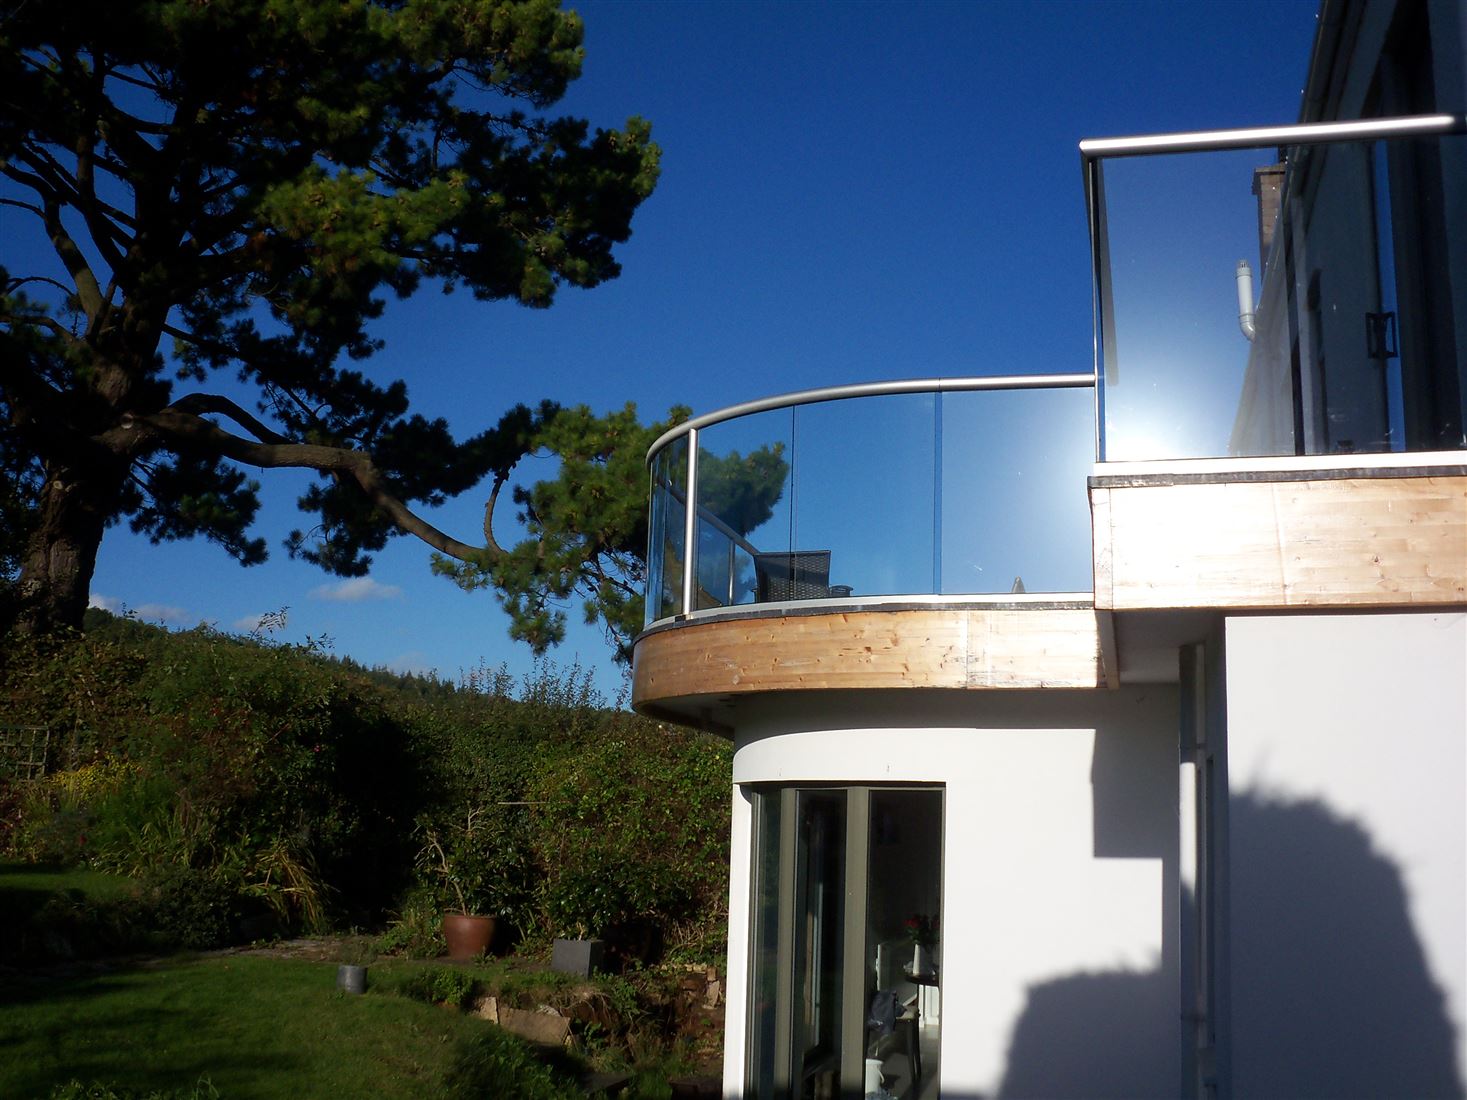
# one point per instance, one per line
(864, 490)
(1014, 499)
(1178, 225)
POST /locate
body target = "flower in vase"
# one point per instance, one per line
(921, 929)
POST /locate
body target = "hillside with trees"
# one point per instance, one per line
(253, 789)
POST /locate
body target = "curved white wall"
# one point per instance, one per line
(1060, 967)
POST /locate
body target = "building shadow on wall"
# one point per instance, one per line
(1331, 996)
(1092, 1036)
(1331, 993)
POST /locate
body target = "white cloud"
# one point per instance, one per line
(412, 663)
(266, 622)
(162, 612)
(152, 612)
(356, 590)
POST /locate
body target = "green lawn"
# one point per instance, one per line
(254, 1026)
(27, 886)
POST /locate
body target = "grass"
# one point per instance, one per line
(27, 886)
(49, 913)
(253, 1026)
(273, 1025)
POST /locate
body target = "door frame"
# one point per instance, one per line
(856, 842)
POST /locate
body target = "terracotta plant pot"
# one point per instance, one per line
(468, 937)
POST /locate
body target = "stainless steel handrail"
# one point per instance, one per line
(1309, 133)
(872, 389)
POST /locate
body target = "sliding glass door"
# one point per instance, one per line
(845, 977)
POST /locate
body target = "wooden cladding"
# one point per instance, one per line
(1327, 542)
(928, 648)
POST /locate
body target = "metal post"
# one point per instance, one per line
(784, 1003)
(853, 971)
(937, 492)
(690, 526)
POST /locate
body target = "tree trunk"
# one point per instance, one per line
(61, 553)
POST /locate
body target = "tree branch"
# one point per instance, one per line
(27, 179)
(36, 210)
(31, 395)
(55, 327)
(55, 174)
(200, 342)
(150, 85)
(203, 403)
(106, 236)
(88, 293)
(16, 284)
(603, 577)
(499, 480)
(181, 426)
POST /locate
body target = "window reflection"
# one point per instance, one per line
(1302, 300)
(845, 947)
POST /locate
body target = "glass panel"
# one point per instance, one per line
(744, 477)
(1175, 354)
(719, 565)
(666, 531)
(764, 973)
(1303, 300)
(819, 931)
(846, 498)
(1386, 258)
(1329, 225)
(864, 493)
(1015, 511)
(1421, 196)
(903, 949)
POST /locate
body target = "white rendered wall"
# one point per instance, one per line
(1060, 969)
(1347, 763)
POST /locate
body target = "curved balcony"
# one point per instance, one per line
(887, 508)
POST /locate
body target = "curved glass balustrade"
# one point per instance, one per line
(1293, 294)
(951, 487)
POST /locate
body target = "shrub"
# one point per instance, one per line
(417, 930)
(270, 775)
(190, 907)
(267, 765)
(634, 830)
(96, 1090)
(141, 823)
(479, 860)
(433, 985)
(288, 884)
(495, 1063)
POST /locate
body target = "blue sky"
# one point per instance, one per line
(850, 192)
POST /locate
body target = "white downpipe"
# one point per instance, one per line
(1245, 300)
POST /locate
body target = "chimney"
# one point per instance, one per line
(1268, 185)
